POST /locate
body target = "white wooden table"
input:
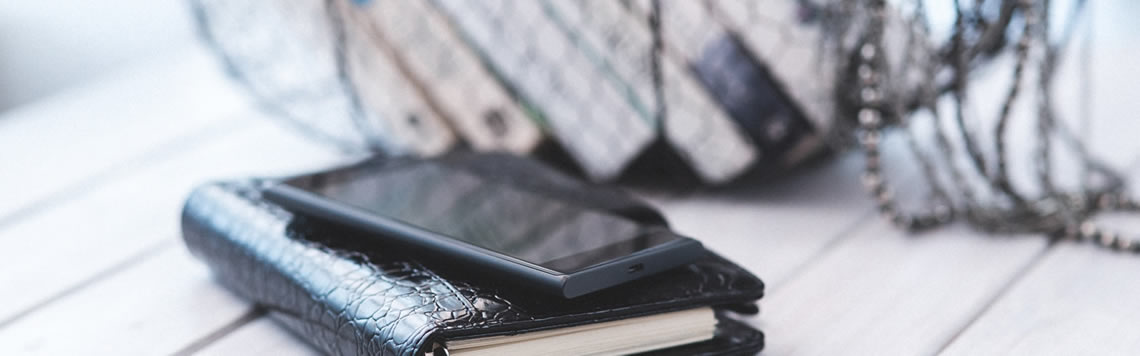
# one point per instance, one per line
(92, 181)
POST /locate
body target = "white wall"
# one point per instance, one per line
(47, 46)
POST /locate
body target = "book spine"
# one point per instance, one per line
(451, 76)
(314, 292)
(710, 142)
(624, 43)
(619, 47)
(589, 117)
(789, 36)
(389, 101)
(789, 41)
(739, 80)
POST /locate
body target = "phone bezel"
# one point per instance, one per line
(567, 284)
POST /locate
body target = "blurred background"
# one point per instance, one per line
(112, 111)
(46, 47)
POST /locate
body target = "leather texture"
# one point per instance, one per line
(347, 294)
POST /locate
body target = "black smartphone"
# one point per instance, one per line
(525, 236)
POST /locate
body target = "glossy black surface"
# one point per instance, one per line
(551, 233)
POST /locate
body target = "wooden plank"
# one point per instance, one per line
(774, 227)
(154, 308)
(1080, 300)
(1078, 293)
(873, 289)
(56, 146)
(882, 292)
(73, 243)
(260, 337)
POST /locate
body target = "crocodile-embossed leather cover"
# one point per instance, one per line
(345, 293)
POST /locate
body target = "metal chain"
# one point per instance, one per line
(869, 88)
(1056, 213)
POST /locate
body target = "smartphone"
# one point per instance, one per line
(508, 232)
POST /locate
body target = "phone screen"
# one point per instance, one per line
(548, 232)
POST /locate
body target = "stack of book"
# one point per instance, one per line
(602, 80)
(726, 87)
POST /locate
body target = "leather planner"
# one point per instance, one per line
(346, 293)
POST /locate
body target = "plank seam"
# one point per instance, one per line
(198, 345)
(836, 239)
(154, 155)
(127, 263)
(1017, 278)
